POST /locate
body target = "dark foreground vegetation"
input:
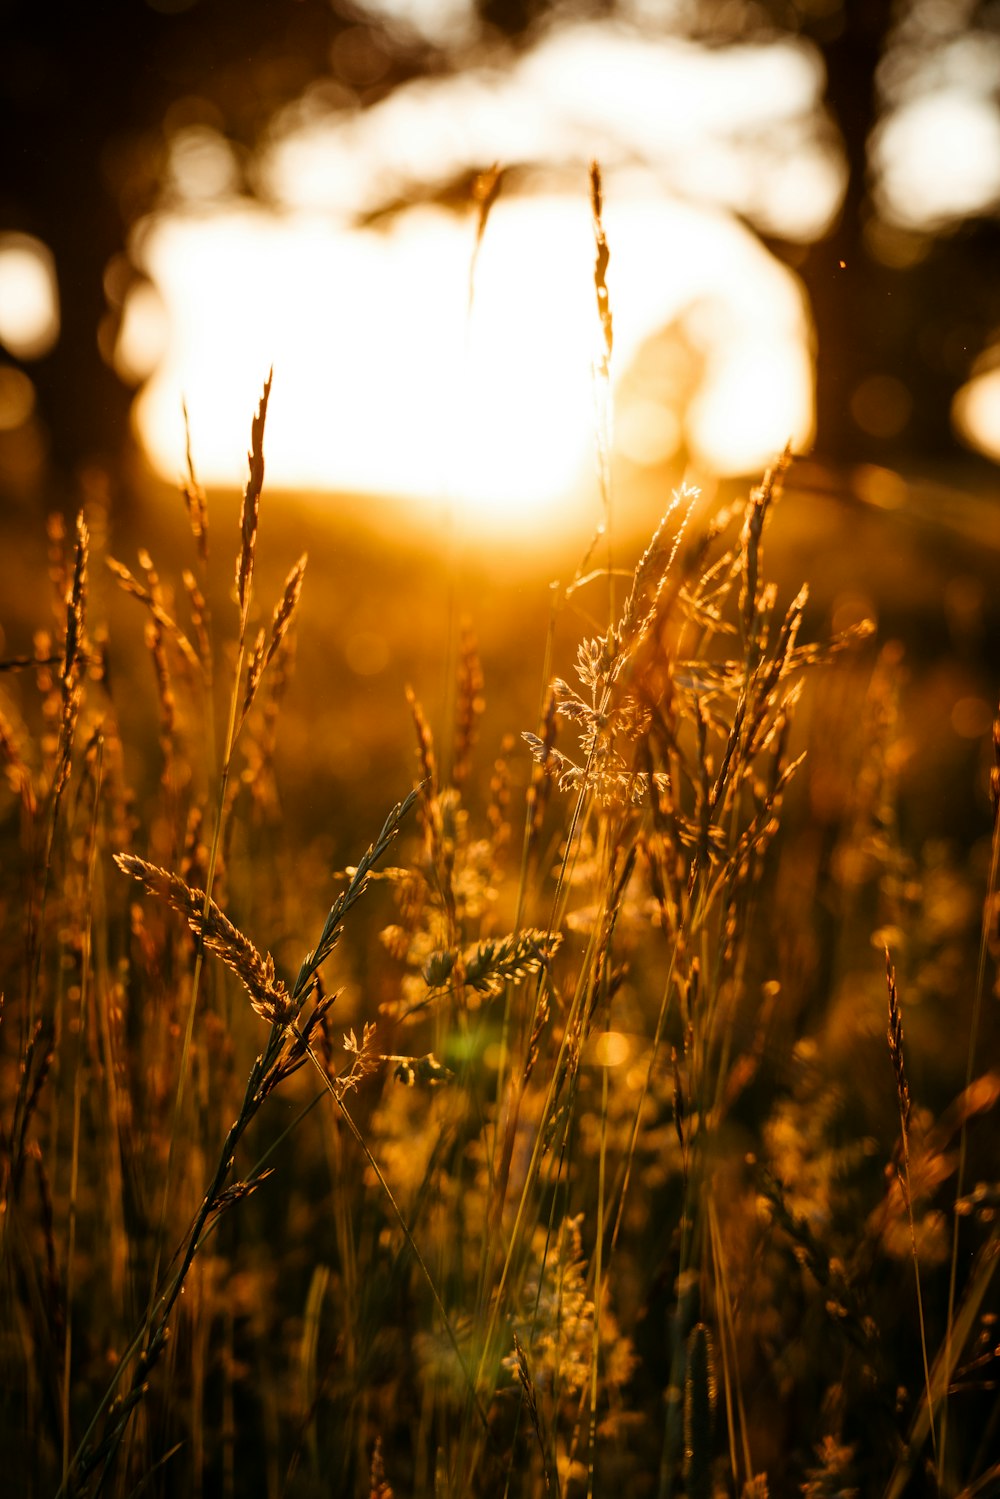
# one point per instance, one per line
(618, 1116)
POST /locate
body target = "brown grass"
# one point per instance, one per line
(562, 1160)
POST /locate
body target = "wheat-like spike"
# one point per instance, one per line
(533, 1049)
(194, 495)
(758, 505)
(199, 619)
(250, 509)
(487, 966)
(360, 875)
(285, 609)
(654, 568)
(602, 258)
(469, 706)
(425, 741)
(268, 995)
(76, 604)
(732, 744)
(72, 660)
(648, 574)
(781, 659)
(895, 1035)
(254, 671)
(531, 1401)
(131, 585)
(527, 1383)
(846, 640)
(71, 704)
(166, 701)
(239, 1191)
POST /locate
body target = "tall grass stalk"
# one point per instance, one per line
(82, 1031)
(992, 888)
(244, 587)
(71, 668)
(903, 1096)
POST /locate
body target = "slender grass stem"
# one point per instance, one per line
(74, 1180)
(963, 1138)
(185, 1052)
(599, 1286)
(738, 1429)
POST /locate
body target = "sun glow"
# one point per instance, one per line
(386, 384)
(976, 411)
(29, 299)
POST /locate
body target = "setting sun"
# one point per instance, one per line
(386, 384)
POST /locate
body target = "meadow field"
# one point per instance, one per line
(478, 1024)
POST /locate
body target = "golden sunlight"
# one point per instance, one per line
(29, 299)
(385, 384)
(976, 412)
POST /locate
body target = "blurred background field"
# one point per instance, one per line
(387, 594)
(801, 211)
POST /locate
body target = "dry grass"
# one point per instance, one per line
(606, 1193)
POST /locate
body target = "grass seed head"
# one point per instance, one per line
(250, 509)
(268, 995)
(602, 259)
(895, 1036)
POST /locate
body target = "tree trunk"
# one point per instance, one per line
(848, 291)
(917, 330)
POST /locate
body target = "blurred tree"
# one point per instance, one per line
(88, 93)
(89, 97)
(900, 311)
